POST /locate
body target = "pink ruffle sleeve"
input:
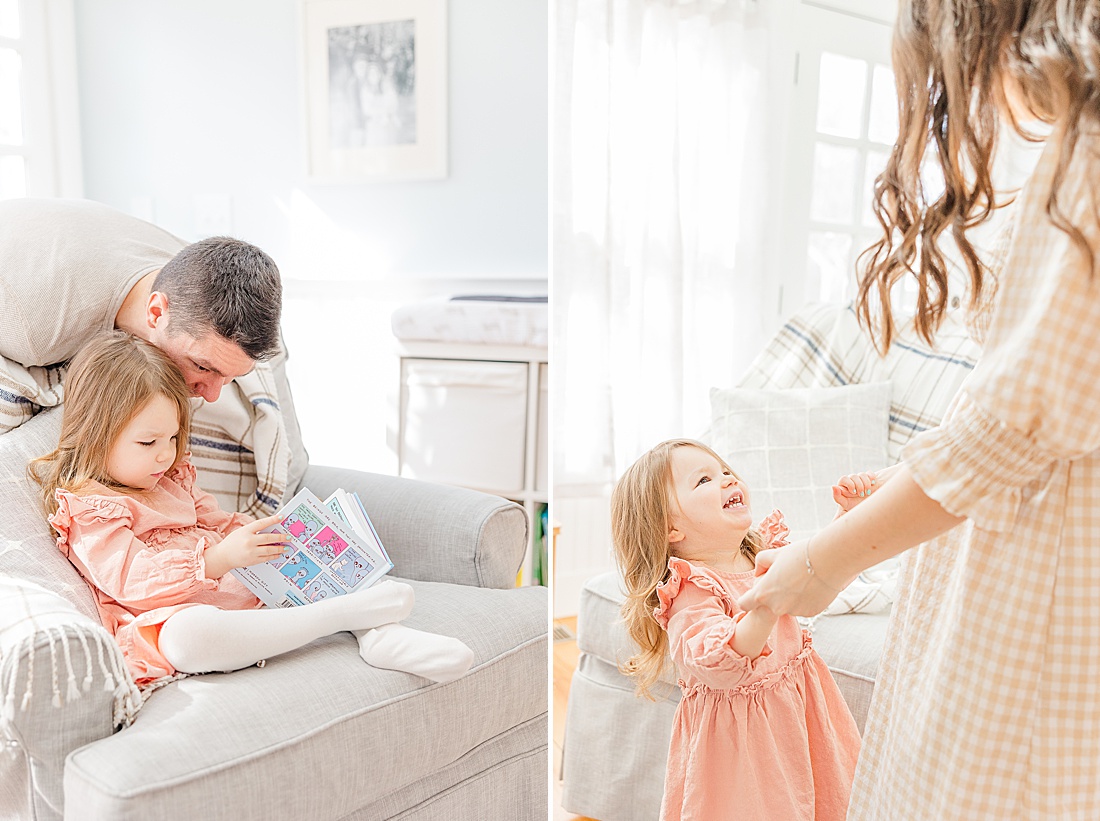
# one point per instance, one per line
(96, 534)
(701, 619)
(774, 530)
(210, 516)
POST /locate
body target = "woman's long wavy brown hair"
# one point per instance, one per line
(952, 60)
(640, 521)
(108, 382)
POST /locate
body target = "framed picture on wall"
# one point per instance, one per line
(376, 89)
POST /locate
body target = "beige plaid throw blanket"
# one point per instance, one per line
(239, 444)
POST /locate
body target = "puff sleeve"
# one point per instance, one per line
(96, 535)
(207, 511)
(1032, 399)
(700, 620)
(774, 529)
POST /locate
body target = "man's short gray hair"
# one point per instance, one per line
(227, 286)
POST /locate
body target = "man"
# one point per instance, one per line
(213, 308)
(70, 269)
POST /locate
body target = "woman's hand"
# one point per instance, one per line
(784, 587)
(245, 546)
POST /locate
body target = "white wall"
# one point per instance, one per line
(192, 116)
(186, 102)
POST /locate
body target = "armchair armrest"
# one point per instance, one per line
(436, 533)
(63, 684)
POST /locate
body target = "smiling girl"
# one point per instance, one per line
(761, 730)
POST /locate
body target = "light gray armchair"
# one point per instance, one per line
(315, 733)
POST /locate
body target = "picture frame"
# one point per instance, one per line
(375, 89)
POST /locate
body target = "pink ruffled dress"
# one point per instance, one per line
(767, 739)
(143, 558)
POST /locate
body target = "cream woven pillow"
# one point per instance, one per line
(791, 445)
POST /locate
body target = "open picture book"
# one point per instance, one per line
(333, 550)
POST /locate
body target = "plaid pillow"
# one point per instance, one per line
(822, 345)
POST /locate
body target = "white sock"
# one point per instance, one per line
(430, 655)
(204, 638)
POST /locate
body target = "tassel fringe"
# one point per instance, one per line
(128, 699)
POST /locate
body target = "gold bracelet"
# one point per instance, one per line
(810, 568)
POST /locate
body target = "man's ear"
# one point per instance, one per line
(156, 312)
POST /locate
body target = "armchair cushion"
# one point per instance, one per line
(348, 735)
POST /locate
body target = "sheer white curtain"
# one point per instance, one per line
(660, 184)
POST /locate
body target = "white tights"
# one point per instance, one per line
(204, 638)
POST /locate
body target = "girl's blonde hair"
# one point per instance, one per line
(641, 507)
(951, 61)
(108, 382)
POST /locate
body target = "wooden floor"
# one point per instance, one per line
(565, 662)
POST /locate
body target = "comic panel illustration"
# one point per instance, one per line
(303, 524)
(299, 569)
(351, 567)
(322, 587)
(288, 551)
(326, 546)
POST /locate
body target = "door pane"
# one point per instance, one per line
(841, 90)
(883, 125)
(829, 266)
(834, 183)
(11, 106)
(9, 18)
(13, 178)
(876, 161)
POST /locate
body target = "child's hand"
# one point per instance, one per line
(245, 546)
(850, 490)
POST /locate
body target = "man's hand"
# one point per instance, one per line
(244, 547)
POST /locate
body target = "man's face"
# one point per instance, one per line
(208, 362)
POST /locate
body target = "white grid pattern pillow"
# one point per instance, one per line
(791, 445)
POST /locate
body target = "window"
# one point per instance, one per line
(842, 125)
(856, 125)
(39, 132)
(13, 176)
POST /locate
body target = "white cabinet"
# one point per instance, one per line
(476, 416)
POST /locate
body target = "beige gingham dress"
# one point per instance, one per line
(987, 703)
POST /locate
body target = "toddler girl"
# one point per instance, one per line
(761, 730)
(156, 550)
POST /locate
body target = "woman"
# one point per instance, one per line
(985, 704)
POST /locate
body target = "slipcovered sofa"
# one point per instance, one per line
(315, 733)
(819, 363)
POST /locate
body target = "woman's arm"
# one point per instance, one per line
(895, 518)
